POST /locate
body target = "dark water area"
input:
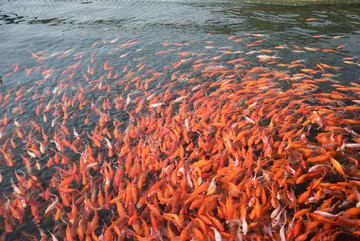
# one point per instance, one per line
(50, 51)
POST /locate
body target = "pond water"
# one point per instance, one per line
(57, 26)
(53, 50)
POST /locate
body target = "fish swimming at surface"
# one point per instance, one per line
(244, 149)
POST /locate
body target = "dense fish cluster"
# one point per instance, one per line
(203, 149)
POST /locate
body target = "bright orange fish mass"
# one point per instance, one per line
(243, 151)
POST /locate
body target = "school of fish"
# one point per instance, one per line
(218, 150)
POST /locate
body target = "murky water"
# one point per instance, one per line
(52, 48)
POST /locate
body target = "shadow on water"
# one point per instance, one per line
(11, 19)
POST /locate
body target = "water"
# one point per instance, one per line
(58, 26)
(50, 35)
(55, 26)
